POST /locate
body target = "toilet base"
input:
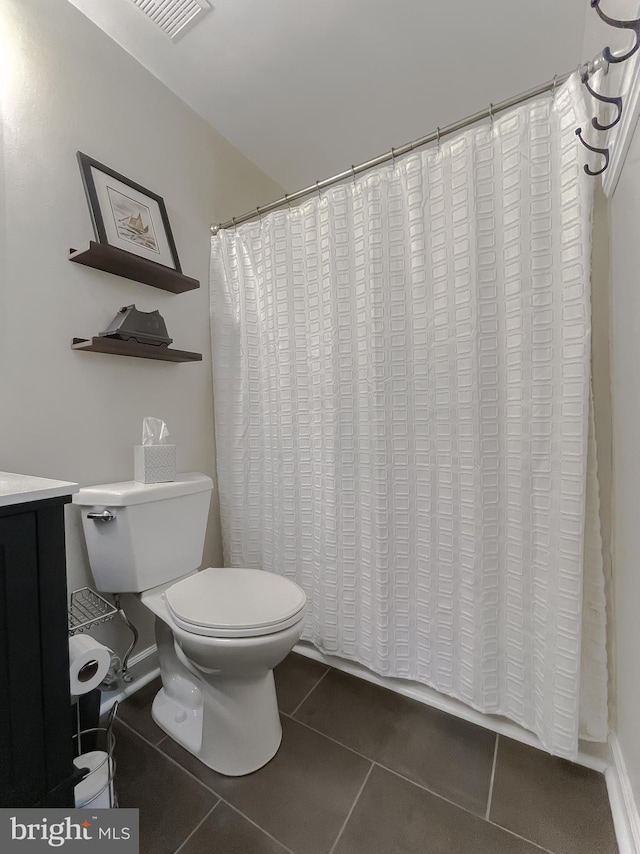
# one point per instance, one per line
(234, 728)
(182, 724)
(230, 722)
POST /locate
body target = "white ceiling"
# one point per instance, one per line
(304, 89)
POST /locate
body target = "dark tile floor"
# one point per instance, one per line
(361, 770)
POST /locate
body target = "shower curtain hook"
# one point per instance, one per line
(438, 138)
(555, 83)
(393, 157)
(318, 189)
(491, 113)
(353, 173)
(617, 102)
(286, 198)
(235, 225)
(622, 25)
(603, 151)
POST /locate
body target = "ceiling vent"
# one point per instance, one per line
(174, 17)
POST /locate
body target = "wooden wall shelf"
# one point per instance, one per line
(101, 344)
(102, 256)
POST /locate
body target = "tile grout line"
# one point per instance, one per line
(429, 791)
(197, 827)
(172, 760)
(460, 807)
(261, 829)
(523, 838)
(330, 738)
(493, 776)
(148, 741)
(135, 732)
(205, 786)
(351, 750)
(139, 734)
(353, 806)
(308, 694)
(387, 768)
(421, 786)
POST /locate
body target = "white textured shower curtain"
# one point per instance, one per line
(401, 380)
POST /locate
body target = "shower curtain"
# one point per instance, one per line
(401, 384)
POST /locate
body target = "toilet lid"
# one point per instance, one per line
(235, 602)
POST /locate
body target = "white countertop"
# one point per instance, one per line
(20, 488)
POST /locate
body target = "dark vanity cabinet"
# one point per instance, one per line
(36, 761)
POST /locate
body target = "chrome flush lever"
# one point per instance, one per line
(105, 516)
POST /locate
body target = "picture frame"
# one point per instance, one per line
(127, 215)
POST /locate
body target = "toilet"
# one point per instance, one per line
(220, 632)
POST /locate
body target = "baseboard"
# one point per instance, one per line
(436, 700)
(626, 818)
(144, 668)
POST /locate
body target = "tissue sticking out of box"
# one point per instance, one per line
(154, 461)
(154, 431)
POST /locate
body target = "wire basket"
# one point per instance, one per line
(88, 608)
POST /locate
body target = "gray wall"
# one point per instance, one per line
(76, 416)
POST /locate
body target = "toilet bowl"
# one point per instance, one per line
(220, 632)
(218, 696)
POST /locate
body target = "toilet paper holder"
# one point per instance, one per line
(94, 788)
(88, 609)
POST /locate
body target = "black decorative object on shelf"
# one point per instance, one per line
(141, 327)
(616, 101)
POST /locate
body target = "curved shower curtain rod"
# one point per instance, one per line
(586, 70)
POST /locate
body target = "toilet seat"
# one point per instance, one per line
(235, 602)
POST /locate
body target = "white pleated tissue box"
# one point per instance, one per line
(154, 463)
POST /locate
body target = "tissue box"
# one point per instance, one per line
(154, 463)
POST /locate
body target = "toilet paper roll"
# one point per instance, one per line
(96, 790)
(89, 663)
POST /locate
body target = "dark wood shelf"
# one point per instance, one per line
(102, 256)
(101, 344)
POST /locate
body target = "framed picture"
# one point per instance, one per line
(127, 215)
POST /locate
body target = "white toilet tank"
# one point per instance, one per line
(150, 533)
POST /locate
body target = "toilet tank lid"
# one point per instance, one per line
(132, 492)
